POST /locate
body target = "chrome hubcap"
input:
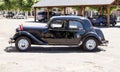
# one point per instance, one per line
(91, 44)
(23, 44)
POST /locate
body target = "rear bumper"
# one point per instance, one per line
(11, 41)
(105, 43)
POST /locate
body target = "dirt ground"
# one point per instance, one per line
(57, 59)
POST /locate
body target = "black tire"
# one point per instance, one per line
(17, 42)
(105, 24)
(113, 24)
(84, 45)
(40, 20)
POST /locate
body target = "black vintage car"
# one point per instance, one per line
(60, 30)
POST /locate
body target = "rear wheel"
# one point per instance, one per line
(39, 20)
(113, 24)
(23, 43)
(90, 44)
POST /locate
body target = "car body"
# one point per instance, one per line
(60, 30)
(42, 16)
(19, 16)
(4, 14)
(102, 20)
(8, 15)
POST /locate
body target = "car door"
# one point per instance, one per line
(57, 33)
(74, 33)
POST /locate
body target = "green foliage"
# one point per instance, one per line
(2, 7)
(104, 9)
(113, 9)
(22, 5)
(76, 8)
(26, 5)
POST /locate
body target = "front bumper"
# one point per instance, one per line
(105, 43)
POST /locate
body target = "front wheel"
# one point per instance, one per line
(90, 44)
(22, 43)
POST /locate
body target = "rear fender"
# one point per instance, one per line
(29, 35)
(92, 34)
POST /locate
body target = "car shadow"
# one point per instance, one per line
(11, 49)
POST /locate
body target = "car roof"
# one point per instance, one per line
(87, 25)
(69, 17)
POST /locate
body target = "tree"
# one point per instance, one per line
(8, 4)
(104, 9)
(2, 7)
(18, 5)
(26, 5)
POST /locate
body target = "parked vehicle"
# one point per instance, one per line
(42, 16)
(60, 30)
(5, 14)
(9, 15)
(19, 16)
(102, 20)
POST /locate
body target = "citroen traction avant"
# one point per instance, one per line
(60, 30)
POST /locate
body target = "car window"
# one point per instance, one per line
(39, 13)
(58, 24)
(75, 25)
(87, 25)
(45, 13)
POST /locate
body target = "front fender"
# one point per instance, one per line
(91, 34)
(29, 35)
